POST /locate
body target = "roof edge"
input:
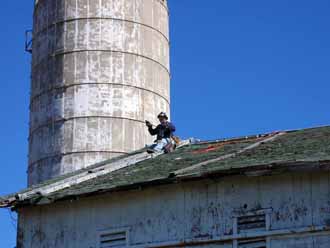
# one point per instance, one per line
(253, 171)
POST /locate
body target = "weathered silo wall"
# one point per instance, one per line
(99, 69)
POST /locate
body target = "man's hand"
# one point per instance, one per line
(148, 124)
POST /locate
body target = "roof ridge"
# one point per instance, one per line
(239, 138)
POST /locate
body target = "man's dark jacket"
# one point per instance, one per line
(163, 131)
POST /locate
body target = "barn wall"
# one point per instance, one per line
(196, 211)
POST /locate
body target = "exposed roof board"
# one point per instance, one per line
(257, 155)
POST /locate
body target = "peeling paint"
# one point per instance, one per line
(199, 214)
(99, 70)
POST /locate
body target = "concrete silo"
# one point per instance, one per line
(99, 69)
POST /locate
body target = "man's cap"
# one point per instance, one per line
(163, 115)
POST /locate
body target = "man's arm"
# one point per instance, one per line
(152, 131)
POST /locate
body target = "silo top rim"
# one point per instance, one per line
(164, 1)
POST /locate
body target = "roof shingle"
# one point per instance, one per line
(308, 147)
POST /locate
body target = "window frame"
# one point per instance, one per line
(267, 212)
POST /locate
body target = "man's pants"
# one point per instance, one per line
(160, 145)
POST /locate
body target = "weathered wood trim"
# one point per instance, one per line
(261, 170)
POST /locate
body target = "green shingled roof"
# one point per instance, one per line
(303, 145)
(307, 147)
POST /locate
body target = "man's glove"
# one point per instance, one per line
(148, 124)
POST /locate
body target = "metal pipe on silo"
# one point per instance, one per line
(99, 69)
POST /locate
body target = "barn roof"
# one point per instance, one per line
(259, 155)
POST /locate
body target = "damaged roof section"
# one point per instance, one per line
(308, 145)
(307, 149)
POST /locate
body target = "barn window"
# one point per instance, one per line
(251, 229)
(113, 238)
(252, 243)
(251, 222)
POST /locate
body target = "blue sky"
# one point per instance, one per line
(238, 67)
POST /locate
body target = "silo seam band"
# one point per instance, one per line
(100, 50)
(101, 18)
(78, 84)
(81, 117)
(71, 153)
(110, 51)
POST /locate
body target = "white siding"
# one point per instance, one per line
(191, 212)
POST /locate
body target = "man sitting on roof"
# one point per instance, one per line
(164, 132)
